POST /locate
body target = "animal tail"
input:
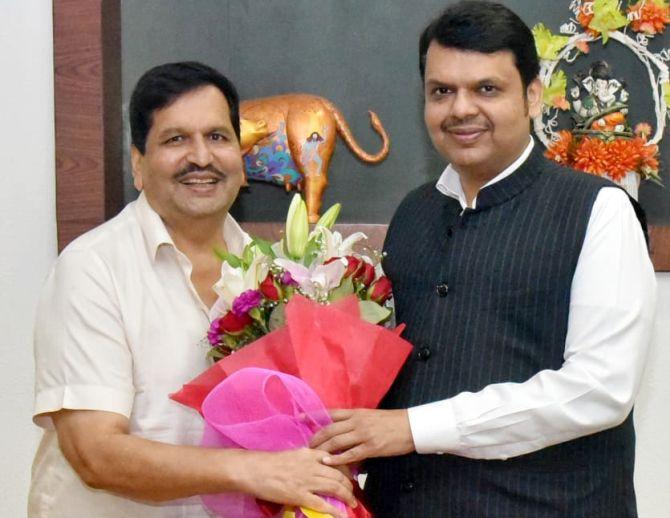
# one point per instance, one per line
(345, 132)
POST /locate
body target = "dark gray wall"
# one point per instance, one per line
(360, 54)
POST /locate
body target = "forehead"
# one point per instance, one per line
(448, 64)
(202, 107)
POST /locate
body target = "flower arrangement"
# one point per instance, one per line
(601, 142)
(297, 336)
(320, 265)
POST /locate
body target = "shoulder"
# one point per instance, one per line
(424, 195)
(103, 245)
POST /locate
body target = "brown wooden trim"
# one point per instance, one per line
(87, 106)
(659, 237)
(87, 60)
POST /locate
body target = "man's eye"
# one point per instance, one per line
(218, 137)
(441, 90)
(488, 89)
(175, 139)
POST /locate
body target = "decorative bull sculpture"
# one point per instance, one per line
(288, 140)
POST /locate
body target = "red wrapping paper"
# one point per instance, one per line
(348, 362)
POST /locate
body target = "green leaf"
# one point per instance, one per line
(666, 93)
(555, 92)
(277, 317)
(373, 312)
(345, 288)
(548, 45)
(264, 246)
(232, 260)
(311, 251)
(607, 17)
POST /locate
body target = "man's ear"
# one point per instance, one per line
(137, 163)
(534, 97)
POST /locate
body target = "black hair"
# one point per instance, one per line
(162, 85)
(486, 27)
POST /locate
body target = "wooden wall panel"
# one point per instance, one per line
(87, 54)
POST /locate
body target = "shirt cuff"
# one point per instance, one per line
(81, 397)
(434, 427)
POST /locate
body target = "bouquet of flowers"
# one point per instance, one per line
(297, 334)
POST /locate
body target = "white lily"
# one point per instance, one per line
(332, 244)
(235, 281)
(317, 280)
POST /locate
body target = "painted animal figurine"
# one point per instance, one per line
(289, 139)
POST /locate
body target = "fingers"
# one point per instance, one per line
(355, 454)
(342, 442)
(330, 431)
(319, 504)
(336, 489)
(341, 414)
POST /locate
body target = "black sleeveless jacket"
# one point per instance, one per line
(485, 296)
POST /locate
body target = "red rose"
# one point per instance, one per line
(366, 274)
(231, 324)
(354, 266)
(380, 291)
(269, 288)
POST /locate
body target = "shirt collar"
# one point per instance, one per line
(449, 182)
(156, 235)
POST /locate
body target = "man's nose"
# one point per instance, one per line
(199, 152)
(463, 106)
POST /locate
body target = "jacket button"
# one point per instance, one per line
(450, 231)
(408, 486)
(424, 353)
(442, 289)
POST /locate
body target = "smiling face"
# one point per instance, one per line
(476, 109)
(192, 165)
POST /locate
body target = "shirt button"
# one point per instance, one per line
(408, 486)
(442, 289)
(424, 353)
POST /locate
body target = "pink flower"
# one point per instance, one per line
(247, 301)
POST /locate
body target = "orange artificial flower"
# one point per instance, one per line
(558, 151)
(649, 16)
(622, 156)
(591, 156)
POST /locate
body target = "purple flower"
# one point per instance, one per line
(287, 280)
(247, 301)
(213, 335)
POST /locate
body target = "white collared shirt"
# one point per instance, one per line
(612, 306)
(119, 327)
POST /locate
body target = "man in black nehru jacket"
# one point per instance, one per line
(528, 294)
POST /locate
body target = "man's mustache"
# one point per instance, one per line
(192, 168)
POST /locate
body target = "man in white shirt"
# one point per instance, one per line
(528, 293)
(121, 318)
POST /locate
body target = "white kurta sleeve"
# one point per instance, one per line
(82, 360)
(612, 306)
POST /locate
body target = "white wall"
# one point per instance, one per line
(652, 417)
(27, 227)
(28, 237)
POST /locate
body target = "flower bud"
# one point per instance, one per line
(297, 228)
(354, 266)
(366, 274)
(329, 217)
(380, 291)
(269, 288)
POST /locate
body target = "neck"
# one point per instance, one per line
(193, 236)
(473, 179)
